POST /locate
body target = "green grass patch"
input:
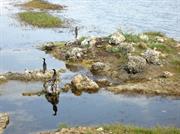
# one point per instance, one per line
(41, 4)
(161, 47)
(40, 19)
(63, 125)
(132, 38)
(121, 129)
(154, 34)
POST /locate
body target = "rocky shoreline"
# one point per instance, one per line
(143, 64)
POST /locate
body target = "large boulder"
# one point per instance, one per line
(126, 47)
(136, 64)
(152, 56)
(117, 38)
(81, 83)
(74, 53)
(97, 67)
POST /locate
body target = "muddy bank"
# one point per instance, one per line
(4, 121)
(147, 63)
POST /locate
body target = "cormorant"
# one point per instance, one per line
(54, 77)
(44, 65)
(76, 32)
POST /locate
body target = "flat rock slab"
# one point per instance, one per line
(4, 120)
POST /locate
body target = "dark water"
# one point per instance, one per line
(98, 17)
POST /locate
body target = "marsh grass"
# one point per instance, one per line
(40, 19)
(41, 4)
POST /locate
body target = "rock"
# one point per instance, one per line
(117, 38)
(91, 41)
(97, 67)
(144, 37)
(136, 64)
(3, 79)
(72, 43)
(100, 129)
(67, 87)
(4, 121)
(167, 74)
(126, 47)
(178, 45)
(152, 56)
(160, 39)
(74, 53)
(103, 82)
(81, 83)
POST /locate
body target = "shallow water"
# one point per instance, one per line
(18, 51)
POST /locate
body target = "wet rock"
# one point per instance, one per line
(74, 53)
(4, 121)
(126, 47)
(136, 64)
(97, 67)
(81, 82)
(103, 82)
(160, 39)
(152, 56)
(167, 74)
(144, 37)
(117, 38)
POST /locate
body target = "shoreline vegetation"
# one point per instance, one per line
(114, 129)
(42, 5)
(146, 64)
(40, 19)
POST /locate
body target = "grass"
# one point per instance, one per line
(40, 19)
(160, 47)
(132, 38)
(121, 129)
(62, 125)
(154, 34)
(41, 4)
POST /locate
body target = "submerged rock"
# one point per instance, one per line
(81, 83)
(152, 56)
(4, 121)
(74, 53)
(117, 38)
(136, 64)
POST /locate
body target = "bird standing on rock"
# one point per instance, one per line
(76, 32)
(44, 65)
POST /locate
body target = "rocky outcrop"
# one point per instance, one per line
(136, 64)
(116, 38)
(74, 53)
(81, 83)
(4, 121)
(152, 56)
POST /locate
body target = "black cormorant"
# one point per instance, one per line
(76, 32)
(44, 65)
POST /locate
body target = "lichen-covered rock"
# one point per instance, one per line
(4, 121)
(144, 37)
(72, 43)
(136, 64)
(152, 56)
(117, 38)
(74, 53)
(97, 67)
(81, 83)
(126, 47)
